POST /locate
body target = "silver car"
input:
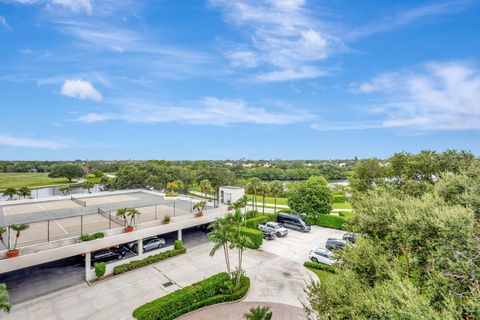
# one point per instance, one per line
(280, 230)
(150, 244)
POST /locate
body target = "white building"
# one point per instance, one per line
(230, 194)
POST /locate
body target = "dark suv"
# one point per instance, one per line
(108, 255)
(333, 244)
(293, 222)
(350, 237)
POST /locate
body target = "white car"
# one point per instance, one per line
(280, 230)
(322, 256)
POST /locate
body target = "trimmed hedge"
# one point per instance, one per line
(339, 198)
(148, 260)
(254, 222)
(319, 266)
(255, 235)
(251, 214)
(90, 237)
(100, 269)
(345, 214)
(215, 289)
(285, 210)
(178, 245)
(330, 221)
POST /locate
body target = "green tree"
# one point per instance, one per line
(367, 173)
(24, 192)
(87, 185)
(10, 192)
(18, 228)
(217, 175)
(264, 191)
(69, 171)
(253, 187)
(98, 173)
(220, 236)
(65, 190)
(258, 313)
(2, 239)
(238, 241)
(4, 298)
(311, 198)
(277, 188)
(106, 182)
(133, 213)
(206, 187)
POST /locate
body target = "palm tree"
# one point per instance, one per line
(87, 185)
(220, 236)
(2, 231)
(4, 298)
(65, 190)
(10, 192)
(18, 228)
(24, 192)
(239, 241)
(205, 186)
(122, 213)
(133, 213)
(276, 189)
(264, 190)
(252, 187)
(258, 313)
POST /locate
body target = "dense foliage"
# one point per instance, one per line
(149, 260)
(100, 269)
(311, 198)
(319, 266)
(69, 171)
(418, 256)
(4, 298)
(90, 237)
(215, 289)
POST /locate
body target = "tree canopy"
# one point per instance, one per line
(69, 171)
(311, 198)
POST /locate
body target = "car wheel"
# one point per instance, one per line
(315, 259)
(279, 234)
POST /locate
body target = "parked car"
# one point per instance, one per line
(322, 256)
(105, 255)
(293, 222)
(334, 244)
(149, 244)
(280, 230)
(268, 233)
(350, 237)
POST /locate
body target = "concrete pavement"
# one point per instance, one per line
(276, 270)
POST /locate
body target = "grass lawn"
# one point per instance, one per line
(343, 205)
(31, 180)
(269, 200)
(321, 274)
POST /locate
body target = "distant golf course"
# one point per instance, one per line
(31, 180)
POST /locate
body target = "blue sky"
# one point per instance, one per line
(224, 79)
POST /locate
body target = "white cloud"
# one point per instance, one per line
(81, 89)
(74, 5)
(4, 24)
(208, 111)
(436, 96)
(14, 141)
(281, 36)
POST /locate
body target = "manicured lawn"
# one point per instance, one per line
(269, 200)
(31, 180)
(321, 274)
(344, 205)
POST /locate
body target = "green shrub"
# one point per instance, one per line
(319, 266)
(330, 221)
(254, 222)
(215, 289)
(285, 210)
(100, 269)
(90, 237)
(251, 214)
(148, 260)
(255, 235)
(339, 198)
(178, 245)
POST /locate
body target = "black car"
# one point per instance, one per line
(350, 237)
(333, 244)
(293, 222)
(108, 255)
(268, 233)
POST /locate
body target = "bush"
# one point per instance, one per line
(330, 221)
(90, 237)
(254, 222)
(178, 245)
(251, 214)
(100, 269)
(255, 235)
(319, 266)
(339, 198)
(215, 289)
(148, 260)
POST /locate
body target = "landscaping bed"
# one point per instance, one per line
(213, 290)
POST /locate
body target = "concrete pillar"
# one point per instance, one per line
(140, 246)
(179, 234)
(88, 265)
